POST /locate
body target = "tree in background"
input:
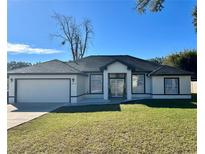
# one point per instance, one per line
(14, 65)
(194, 14)
(158, 60)
(158, 5)
(186, 60)
(152, 5)
(77, 36)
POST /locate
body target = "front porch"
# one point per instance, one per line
(99, 101)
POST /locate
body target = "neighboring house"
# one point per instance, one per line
(97, 77)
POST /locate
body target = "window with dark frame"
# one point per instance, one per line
(96, 83)
(171, 85)
(138, 83)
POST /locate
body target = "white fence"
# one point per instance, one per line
(194, 87)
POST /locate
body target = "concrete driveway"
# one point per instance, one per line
(24, 112)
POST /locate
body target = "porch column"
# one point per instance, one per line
(105, 84)
(129, 85)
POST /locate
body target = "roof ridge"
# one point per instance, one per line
(66, 63)
(145, 60)
(73, 67)
(178, 68)
(30, 66)
(155, 70)
(37, 64)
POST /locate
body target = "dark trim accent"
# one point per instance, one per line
(42, 78)
(95, 93)
(90, 82)
(16, 84)
(171, 94)
(98, 72)
(178, 85)
(160, 94)
(86, 94)
(144, 84)
(47, 74)
(140, 72)
(15, 93)
(170, 75)
(117, 77)
(11, 96)
(132, 83)
(141, 93)
(79, 95)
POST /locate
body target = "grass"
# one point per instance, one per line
(135, 127)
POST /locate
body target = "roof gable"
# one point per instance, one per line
(98, 63)
(130, 67)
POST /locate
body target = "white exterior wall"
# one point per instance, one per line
(117, 67)
(158, 87)
(12, 84)
(148, 85)
(194, 87)
(185, 84)
(82, 87)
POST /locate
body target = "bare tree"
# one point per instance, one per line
(194, 15)
(153, 5)
(77, 36)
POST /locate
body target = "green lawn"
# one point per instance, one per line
(145, 127)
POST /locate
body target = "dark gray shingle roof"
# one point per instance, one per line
(97, 64)
(53, 66)
(168, 70)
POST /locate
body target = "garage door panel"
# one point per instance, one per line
(43, 90)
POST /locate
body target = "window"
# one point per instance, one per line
(171, 85)
(138, 84)
(96, 84)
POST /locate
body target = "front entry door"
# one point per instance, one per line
(117, 87)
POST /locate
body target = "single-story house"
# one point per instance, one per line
(103, 77)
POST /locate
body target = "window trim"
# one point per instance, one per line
(178, 85)
(132, 84)
(90, 83)
(117, 77)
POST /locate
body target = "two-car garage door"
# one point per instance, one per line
(43, 90)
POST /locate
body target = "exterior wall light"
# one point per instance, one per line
(73, 80)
